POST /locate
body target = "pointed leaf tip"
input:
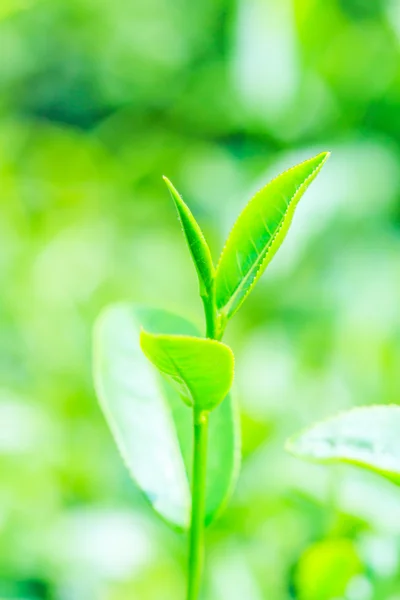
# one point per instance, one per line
(258, 233)
(200, 369)
(196, 241)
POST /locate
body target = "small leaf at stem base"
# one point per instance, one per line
(200, 369)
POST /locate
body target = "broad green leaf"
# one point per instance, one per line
(259, 231)
(326, 568)
(367, 437)
(149, 421)
(196, 241)
(200, 369)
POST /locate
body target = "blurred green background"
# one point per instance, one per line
(99, 98)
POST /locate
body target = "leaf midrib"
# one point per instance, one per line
(179, 371)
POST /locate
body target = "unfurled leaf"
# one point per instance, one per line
(150, 423)
(366, 436)
(259, 231)
(196, 241)
(200, 369)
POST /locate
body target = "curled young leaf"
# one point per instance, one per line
(196, 241)
(259, 231)
(151, 425)
(201, 370)
(366, 436)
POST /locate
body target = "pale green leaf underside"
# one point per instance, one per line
(150, 423)
(200, 369)
(366, 436)
(196, 241)
(259, 231)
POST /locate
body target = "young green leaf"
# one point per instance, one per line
(259, 231)
(196, 241)
(200, 369)
(366, 436)
(152, 427)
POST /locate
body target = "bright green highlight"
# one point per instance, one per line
(366, 436)
(258, 233)
(326, 568)
(200, 369)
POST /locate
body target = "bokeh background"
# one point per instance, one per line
(99, 98)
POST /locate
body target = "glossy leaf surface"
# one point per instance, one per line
(366, 436)
(196, 241)
(259, 231)
(149, 421)
(200, 369)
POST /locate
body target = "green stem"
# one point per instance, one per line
(196, 544)
(199, 474)
(212, 319)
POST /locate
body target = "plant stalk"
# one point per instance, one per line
(196, 543)
(199, 473)
(212, 319)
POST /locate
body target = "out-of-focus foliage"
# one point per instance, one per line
(366, 436)
(99, 100)
(326, 569)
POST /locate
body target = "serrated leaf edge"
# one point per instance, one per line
(183, 207)
(259, 271)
